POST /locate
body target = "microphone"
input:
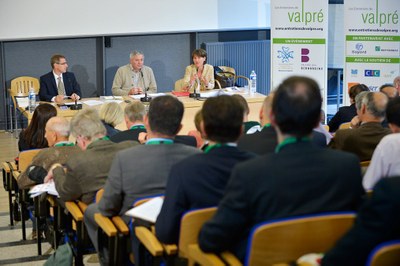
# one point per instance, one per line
(146, 98)
(196, 94)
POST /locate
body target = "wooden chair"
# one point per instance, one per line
(364, 166)
(20, 88)
(345, 125)
(9, 183)
(326, 127)
(233, 71)
(191, 224)
(385, 254)
(286, 240)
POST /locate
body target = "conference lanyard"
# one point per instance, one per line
(266, 125)
(288, 141)
(137, 127)
(62, 144)
(159, 141)
(218, 145)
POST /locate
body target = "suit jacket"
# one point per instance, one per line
(300, 179)
(139, 172)
(196, 182)
(265, 141)
(130, 134)
(343, 115)
(42, 162)
(87, 171)
(111, 131)
(48, 86)
(208, 73)
(377, 221)
(361, 141)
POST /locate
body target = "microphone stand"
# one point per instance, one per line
(195, 94)
(146, 98)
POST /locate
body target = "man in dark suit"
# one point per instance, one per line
(58, 83)
(200, 180)
(266, 140)
(134, 113)
(298, 179)
(377, 221)
(367, 130)
(143, 170)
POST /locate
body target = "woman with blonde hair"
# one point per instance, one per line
(111, 114)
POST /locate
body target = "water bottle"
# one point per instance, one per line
(253, 82)
(32, 100)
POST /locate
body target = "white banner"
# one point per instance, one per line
(372, 43)
(299, 32)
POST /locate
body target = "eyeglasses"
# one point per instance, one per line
(63, 63)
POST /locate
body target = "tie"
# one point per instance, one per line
(60, 87)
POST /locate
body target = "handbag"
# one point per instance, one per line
(225, 78)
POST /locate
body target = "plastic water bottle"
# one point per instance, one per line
(32, 100)
(253, 82)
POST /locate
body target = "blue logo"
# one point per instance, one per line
(285, 54)
(359, 46)
(354, 71)
(372, 73)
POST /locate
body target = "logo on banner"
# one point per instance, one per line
(285, 55)
(304, 55)
(372, 73)
(377, 48)
(354, 72)
(359, 49)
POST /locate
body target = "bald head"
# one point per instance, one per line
(373, 107)
(389, 90)
(57, 130)
(266, 109)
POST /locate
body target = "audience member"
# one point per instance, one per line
(346, 113)
(143, 170)
(200, 138)
(134, 78)
(367, 130)
(385, 160)
(396, 84)
(265, 141)
(57, 135)
(134, 113)
(200, 180)
(86, 172)
(33, 136)
(111, 114)
(249, 126)
(297, 179)
(199, 74)
(377, 221)
(58, 83)
(389, 90)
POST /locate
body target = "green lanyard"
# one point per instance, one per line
(103, 138)
(266, 125)
(137, 127)
(218, 145)
(159, 141)
(288, 141)
(61, 144)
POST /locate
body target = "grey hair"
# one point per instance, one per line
(60, 125)
(359, 99)
(87, 123)
(135, 52)
(135, 111)
(373, 106)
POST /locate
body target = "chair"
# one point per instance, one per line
(233, 71)
(8, 182)
(364, 166)
(20, 88)
(191, 223)
(385, 254)
(285, 240)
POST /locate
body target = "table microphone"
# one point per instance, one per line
(196, 94)
(146, 98)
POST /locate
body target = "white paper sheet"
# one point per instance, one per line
(147, 211)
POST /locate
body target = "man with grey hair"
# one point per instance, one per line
(134, 78)
(366, 130)
(396, 84)
(82, 175)
(134, 113)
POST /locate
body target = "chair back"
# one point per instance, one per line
(99, 194)
(385, 254)
(179, 84)
(191, 224)
(25, 158)
(288, 239)
(20, 87)
(345, 125)
(228, 69)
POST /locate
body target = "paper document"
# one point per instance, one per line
(48, 188)
(72, 103)
(22, 101)
(148, 211)
(153, 95)
(111, 97)
(93, 102)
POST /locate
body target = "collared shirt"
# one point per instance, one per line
(56, 79)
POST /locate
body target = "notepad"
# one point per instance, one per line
(49, 188)
(147, 211)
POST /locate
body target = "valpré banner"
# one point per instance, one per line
(299, 32)
(372, 43)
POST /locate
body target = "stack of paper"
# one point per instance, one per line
(48, 188)
(147, 211)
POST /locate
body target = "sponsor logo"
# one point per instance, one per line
(377, 48)
(304, 55)
(354, 72)
(285, 54)
(372, 73)
(359, 49)
(359, 46)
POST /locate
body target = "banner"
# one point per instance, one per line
(299, 32)
(372, 43)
